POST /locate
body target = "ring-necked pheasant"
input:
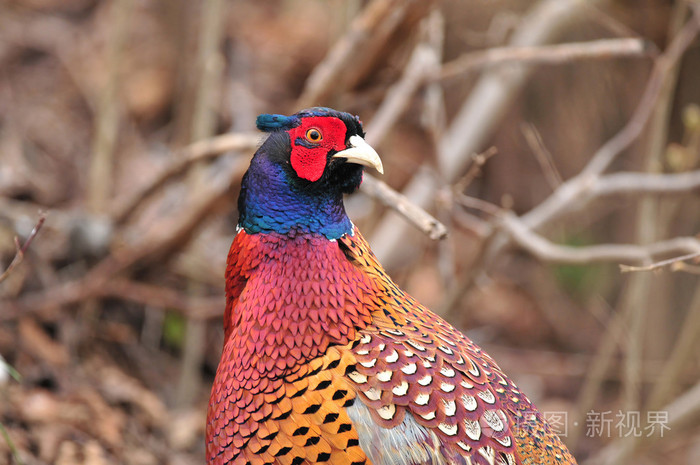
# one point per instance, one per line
(325, 359)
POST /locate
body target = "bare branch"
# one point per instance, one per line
(574, 188)
(481, 205)
(371, 28)
(478, 161)
(603, 49)
(424, 61)
(579, 190)
(663, 66)
(472, 223)
(398, 202)
(573, 191)
(19, 256)
(548, 251)
(542, 155)
(671, 263)
(477, 118)
(646, 183)
(609, 22)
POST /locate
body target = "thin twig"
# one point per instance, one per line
(374, 23)
(578, 193)
(478, 161)
(423, 62)
(21, 250)
(542, 155)
(609, 22)
(646, 183)
(399, 203)
(630, 183)
(548, 251)
(554, 253)
(603, 49)
(670, 263)
(478, 204)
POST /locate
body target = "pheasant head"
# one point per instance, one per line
(297, 178)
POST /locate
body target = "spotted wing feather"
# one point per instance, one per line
(410, 362)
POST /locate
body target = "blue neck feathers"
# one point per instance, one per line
(271, 202)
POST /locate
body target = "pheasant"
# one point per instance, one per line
(325, 359)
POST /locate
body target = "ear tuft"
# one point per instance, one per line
(269, 123)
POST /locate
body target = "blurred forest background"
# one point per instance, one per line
(555, 140)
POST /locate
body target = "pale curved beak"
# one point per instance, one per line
(362, 153)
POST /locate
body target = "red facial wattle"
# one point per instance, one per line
(309, 157)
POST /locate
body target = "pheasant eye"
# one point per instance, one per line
(313, 135)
